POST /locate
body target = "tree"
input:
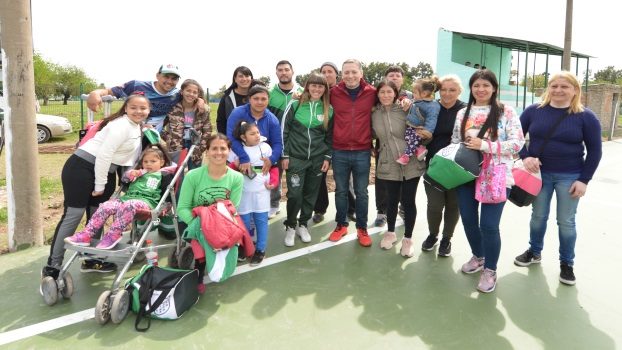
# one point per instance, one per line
(422, 70)
(534, 82)
(221, 92)
(609, 75)
(302, 79)
(265, 80)
(44, 78)
(68, 80)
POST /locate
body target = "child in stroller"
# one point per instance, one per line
(148, 182)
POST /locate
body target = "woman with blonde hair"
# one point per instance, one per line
(573, 151)
(443, 206)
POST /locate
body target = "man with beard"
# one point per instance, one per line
(280, 97)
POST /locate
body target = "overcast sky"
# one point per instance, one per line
(116, 41)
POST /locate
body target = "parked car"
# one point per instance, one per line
(51, 126)
(48, 126)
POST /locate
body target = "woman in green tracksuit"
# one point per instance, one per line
(306, 154)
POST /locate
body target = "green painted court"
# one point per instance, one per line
(323, 295)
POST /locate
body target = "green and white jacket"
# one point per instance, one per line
(304, 135)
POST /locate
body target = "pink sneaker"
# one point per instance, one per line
(487, 281)
(201, 288)
(420, 152)
(80, 238)
(109, 241)
(473, 265)
(403, 159)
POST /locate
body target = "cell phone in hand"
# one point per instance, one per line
(251, 174)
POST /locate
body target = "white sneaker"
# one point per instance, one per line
(303, 232)
(290, 234)
(273, 212)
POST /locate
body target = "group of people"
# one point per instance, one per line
(303, 131)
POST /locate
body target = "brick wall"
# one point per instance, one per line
(600, 98)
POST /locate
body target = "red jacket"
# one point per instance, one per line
(230, 233)
(351, 128)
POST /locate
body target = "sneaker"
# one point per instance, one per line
(109, 241)
(429, 243)
(381, 220)
(527, 258)
(290, 234)
(566, 275)
(473, 265)
(318, 217)
(444, 249)
(303, 232)
(93, 265)
(241, 256)
(338, 233)
(352, 216)
(487, 281)
(403, 159)
(420, 152)
(407, 248)
(273, 212)
(50, 271)
(81, 238)
(388, 240)
(201, 288)
(363, 237)
(257, 258)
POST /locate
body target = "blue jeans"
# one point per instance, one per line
(261, 228)
(566, 212)
(358, 164)
(482, 231)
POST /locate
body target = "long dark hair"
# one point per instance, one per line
(241, 69)
(121, 111)
(195, 83)
(496, 108)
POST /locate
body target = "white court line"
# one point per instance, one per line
(67, 320)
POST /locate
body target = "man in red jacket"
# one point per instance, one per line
(352, 100)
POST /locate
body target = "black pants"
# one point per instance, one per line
(406, 190)
(321, 203)
(380, 188)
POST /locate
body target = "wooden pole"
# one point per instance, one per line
(567, 37)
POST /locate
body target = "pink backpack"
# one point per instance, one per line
(88, 132)
(490, 184)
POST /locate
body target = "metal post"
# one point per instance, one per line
(81, 106)
(587, 78)
(526, 68)
(546, 69)
(533, 84)
(517, 74)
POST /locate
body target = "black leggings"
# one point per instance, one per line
(406, 190)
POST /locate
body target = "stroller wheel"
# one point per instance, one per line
(49, 290)
(172, 259)
(102, 308)
(140, 257)
(186, 258)
(67, 291)
(120, 306)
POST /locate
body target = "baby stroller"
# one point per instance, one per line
(113, 304)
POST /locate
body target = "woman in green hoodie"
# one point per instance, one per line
(306, 154)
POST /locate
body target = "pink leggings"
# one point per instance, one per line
(123, 215)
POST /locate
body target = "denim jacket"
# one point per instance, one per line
(424, 114)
